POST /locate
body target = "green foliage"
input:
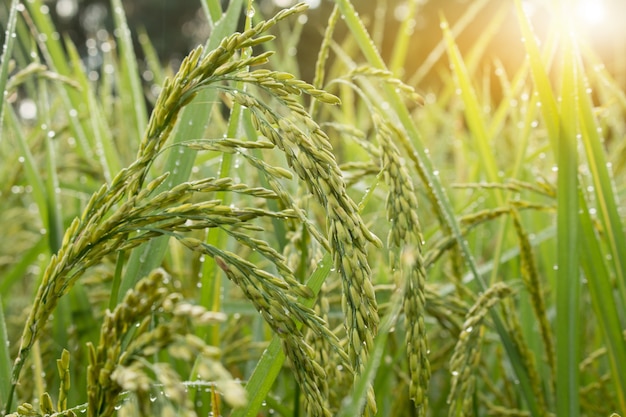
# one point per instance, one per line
(224, 254)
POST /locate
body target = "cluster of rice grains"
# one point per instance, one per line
(120, 375)
(406, 261)
(309, 154)
(129, 337)
(466, 355)
(127, 213)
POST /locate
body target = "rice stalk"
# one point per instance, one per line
(308, 153)
(466, 355)
(405, 243)
(530, 276)
(7, 48)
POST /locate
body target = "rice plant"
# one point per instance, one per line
(225, 238)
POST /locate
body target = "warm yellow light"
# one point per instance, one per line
(591, 12)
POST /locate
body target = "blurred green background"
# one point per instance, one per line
(175, 27)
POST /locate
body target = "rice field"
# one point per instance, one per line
(388, 238)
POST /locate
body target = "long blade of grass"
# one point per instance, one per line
(594, 261)
(30, 167)
(568, 278)
(561, 128)
(420, 157)
(543, 87)
(604, 188)
(5, 362)
(7, 49)
(436, 54)
(102, 140)
(402, 41)
(55, 218)
(56, 59)
(473, 110)
(130, 71)
(210, 294)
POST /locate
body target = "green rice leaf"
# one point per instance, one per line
(473, 110)
(568, 276)
(597, 264)
(7, 49)
(603, 186)
(5, 362)
(594, 265)
(130, 71)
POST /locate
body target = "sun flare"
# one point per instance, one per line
(591, 12)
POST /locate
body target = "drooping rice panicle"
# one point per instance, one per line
(273, 298)
(532, 282)
(126, 336)
(466, 354)
(405, 242)
(309, 154)
(86, 241)
(527, 357)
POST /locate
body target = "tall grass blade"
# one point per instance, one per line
(568, 277)
(210, 294)
(598, 265)
(402, 41)
(473, 110)
(7, 49)
(102, 141)
(30, 166)
(601, 290)
(543, 86)
(130, 71)
(561, 125)
(5, 362)
(56, 59)
(55, 216)
(603, 187)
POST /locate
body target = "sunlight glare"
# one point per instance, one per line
(313, 4)
(592, 12)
